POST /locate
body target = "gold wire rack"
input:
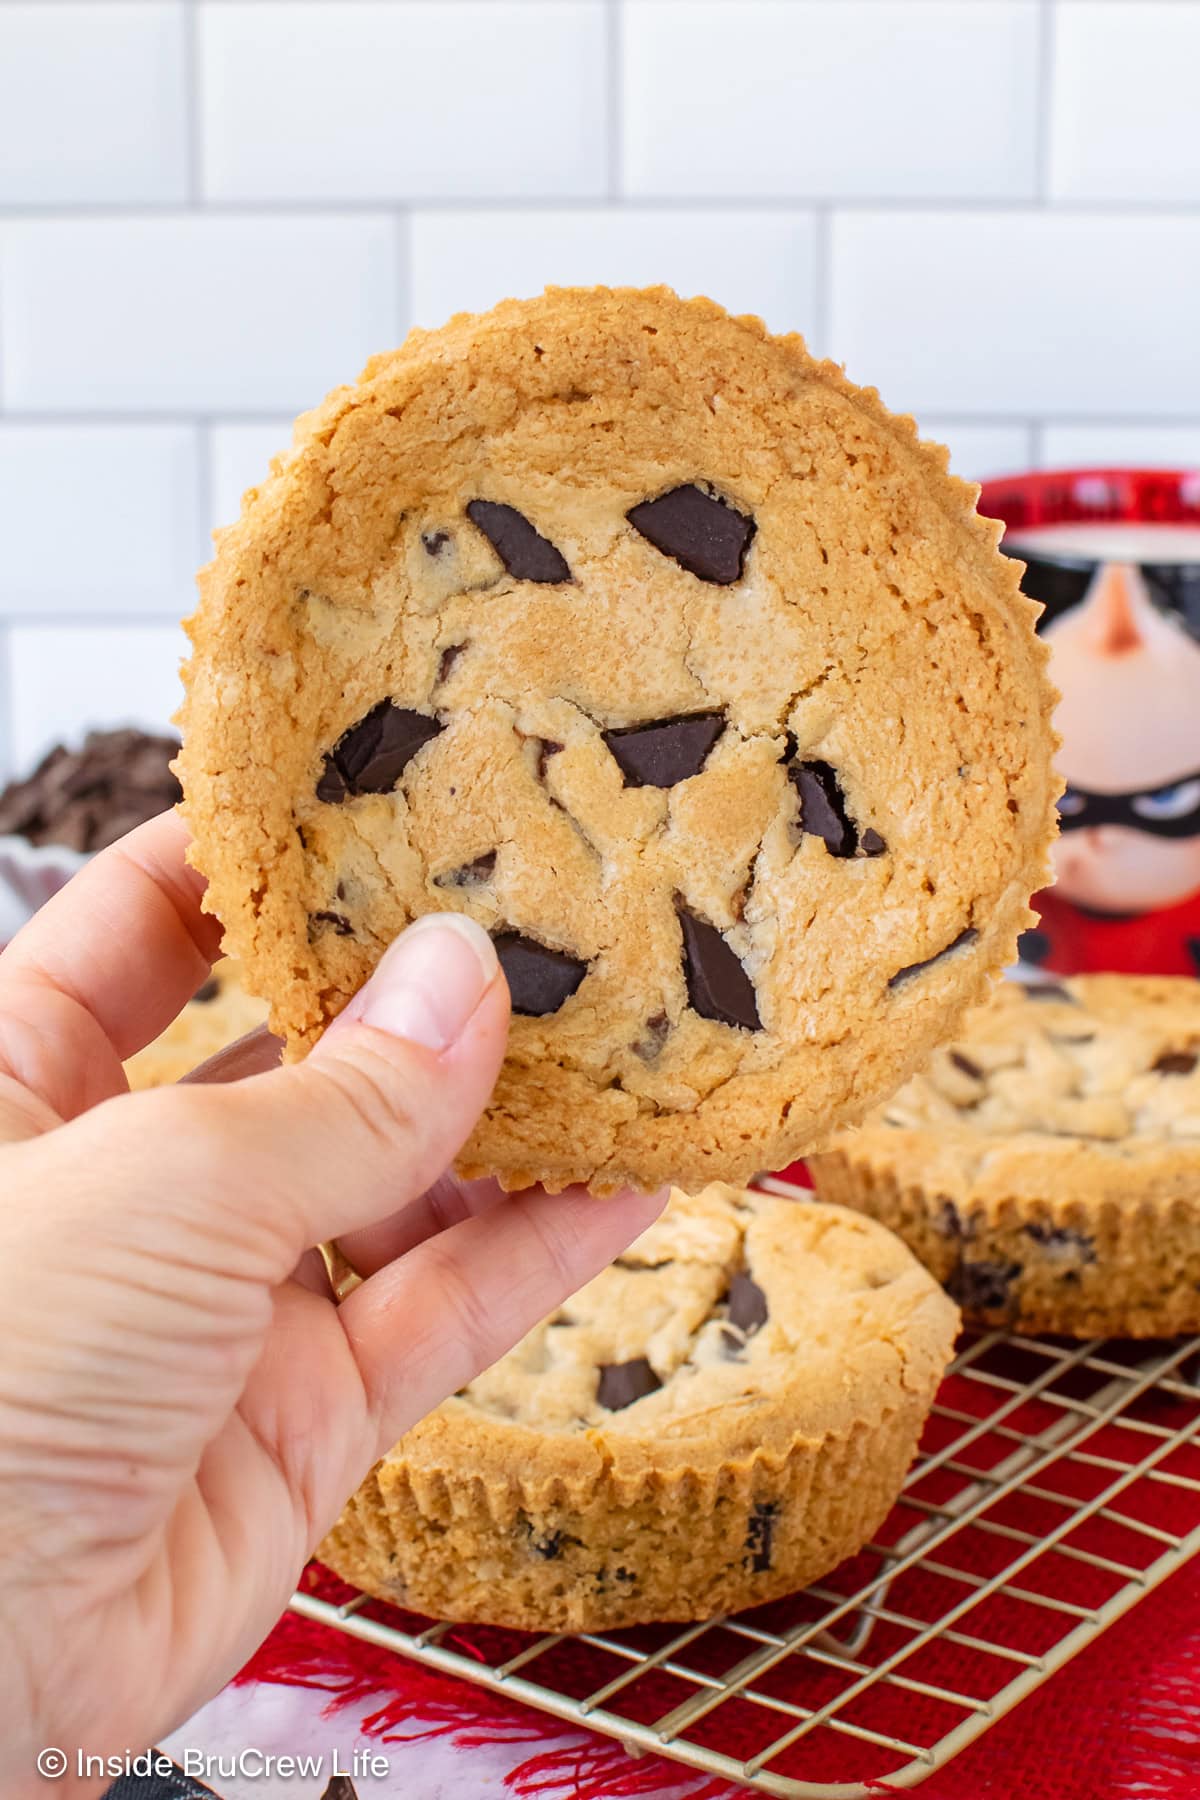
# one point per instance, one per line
(1047, 1500)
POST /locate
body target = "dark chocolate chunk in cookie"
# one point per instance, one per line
(966, 1066)
(623, 1383)
(918, 968)
(654, 1036)
(472, 874)
(539, 979)
(983, 1286)
(525, 553)
(1048, 990)
(434, 542)
(760, 1530)
(1175, 1062)
(717, 984)
(208, 990)
(371, 757)
(1061, 1240)
(335, 920)
(747, 1304)
(823, 807)
(706, 535)
(871, 844)
(669, 750)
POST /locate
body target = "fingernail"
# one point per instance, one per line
(429, 982)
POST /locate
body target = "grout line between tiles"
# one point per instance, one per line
(379, 206)
(1044, 100)
(191, 100)
(615, 121)
(204, 490)
(405, 262)
(823, 277)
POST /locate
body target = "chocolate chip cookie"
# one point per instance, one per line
(1046, 1166)
(218, 1014)
(723, 1415)
(674, 660)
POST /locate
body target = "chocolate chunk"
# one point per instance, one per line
(548, 1547)
(87, 798)
(434, 542)
(964, 937)
(665, 752)
(339, 923)
(823, 807)
(371, 757)
(472, 874)
(966, 1065)
(539, 979)
(760, 1529)
(708, 536)
(623, 1383)
(717, 984)
(983, 1286)
(823, 811)
(747, 1304)
(546, 749)
(446, 662)
(1175, 1062)
(1060, 1239)
(525, 553)
(733, 1345)
(948, 1221)
(655, 1035)
(1033, 946)
(208, 990)
(1048, 990)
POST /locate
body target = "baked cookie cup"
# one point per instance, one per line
(722, 1416)
(680, 665)
(1046, 1166)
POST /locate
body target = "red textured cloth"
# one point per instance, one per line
(1122, 1720)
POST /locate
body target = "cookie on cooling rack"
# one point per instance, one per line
(723, 1415)
(673, 659)
(218, 1014)
(1046, 1166)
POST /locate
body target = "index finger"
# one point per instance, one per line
(125, 941)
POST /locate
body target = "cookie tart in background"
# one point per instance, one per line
(1046, 1165)
(722, 1416)
(219, 1012)
(673, 659)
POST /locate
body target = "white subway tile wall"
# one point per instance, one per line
(213, 210)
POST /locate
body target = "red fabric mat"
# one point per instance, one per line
(1122, 1720)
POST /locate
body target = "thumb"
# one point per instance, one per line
(365, 1124)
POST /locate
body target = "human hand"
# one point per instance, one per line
(183, 1408)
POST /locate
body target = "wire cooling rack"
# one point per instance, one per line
(1057, 1484)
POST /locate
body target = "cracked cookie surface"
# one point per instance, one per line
(678, 663)
(721, 1416)
(1046, 1164)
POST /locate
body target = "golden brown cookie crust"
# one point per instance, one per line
(875, 630)
(770, 1452)
(1046, 1165)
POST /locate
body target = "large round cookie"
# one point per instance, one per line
(723, 1415)
(676, 661)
